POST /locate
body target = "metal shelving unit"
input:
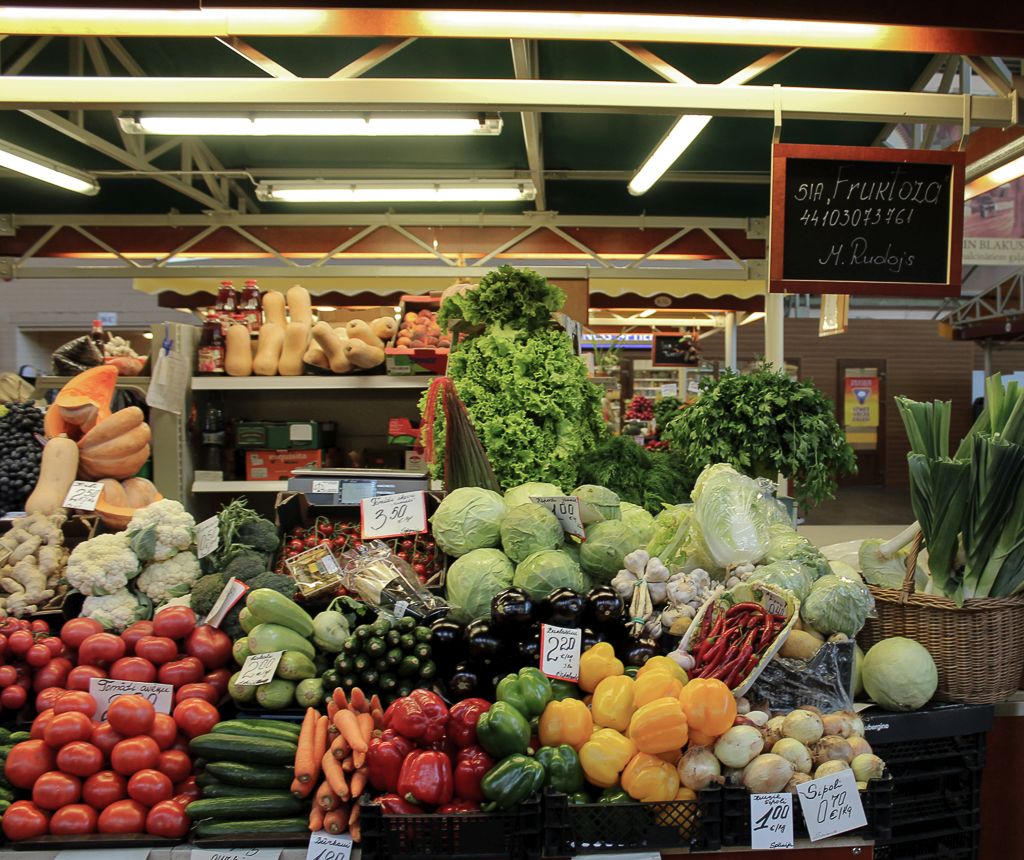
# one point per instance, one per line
(243, 487)
(305, 383)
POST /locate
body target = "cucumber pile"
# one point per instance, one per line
(7, 741)
(392, 657)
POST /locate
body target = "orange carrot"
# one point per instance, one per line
(332, 709)
(316, 818)
(357, 700)
(346, 764)
(358, 759)
(365, 723)
(319, 743)
(334, 775)
(336, 821)
(339, 699)
(302, 790)
(349, 728)
(339, 749)
(305, 767)
(353, 822)
(325, 798)
(378, 718)
(358, 782)
(375, 702)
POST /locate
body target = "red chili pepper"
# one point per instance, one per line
(726, 673)
(705, 624)
(745, 607)
(471, 766)
(767, 634)
(462, 720)
(384, 759)
(426, 778)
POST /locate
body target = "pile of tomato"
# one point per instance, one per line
(31, 658)
(128, 773)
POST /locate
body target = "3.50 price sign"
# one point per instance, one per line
(393, 516)
(560, 649)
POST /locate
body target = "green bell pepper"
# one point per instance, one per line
(614, 795)
(502, 730)
(528, 692)
(564, 690)
(631, 671)
(562, 768)
(578, 798)
(512, 780)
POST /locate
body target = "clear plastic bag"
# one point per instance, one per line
(825, 681)
(373, 573)
(76, 355)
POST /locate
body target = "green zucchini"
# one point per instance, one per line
(244, 828)
(250, 775)
(18, 737)
(6, 794)
(264, 638)
(218, 747)
(268, 730)
(3, 806)
(294, 728)
(254, 806)
(222, 789)
(272, 607)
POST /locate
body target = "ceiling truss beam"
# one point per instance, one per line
(931, 69)
(260, 60)
(22, 60)
(371, 59)
(526, 64)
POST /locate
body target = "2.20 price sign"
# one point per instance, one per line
(560, 649)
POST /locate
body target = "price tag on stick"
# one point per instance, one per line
(560, 649)
(831, 805)
(771, 821)
(259, 669)
(325, 846)
(228, 597)
(567, 509)
(83, 495)
(207, 537)
(393, 516)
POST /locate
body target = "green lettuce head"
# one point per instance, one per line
(468, 518)
(530, 528)
(541, 573)
(607, 544)
(522, 495)
(597, 504)
(473, 579)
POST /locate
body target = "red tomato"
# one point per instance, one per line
(55, 645)
(180, 743)
(75, 700)
(65, 728)
(100, 649)
(134, 754)
(197, 691)
(77, 630)
(104, 788)
(80, 758)
(37, 656)
(133, 669)
(53, 674)
(28, 761)
(123, 816)
(74, 820)
(13, 698)
(39, 626)
(157, 649)
(210, 645)
(8, 675)
(188, 788)
(196, 717)
(135, 632)
(24, 820)
(149, 787)
(55, 789)
(167, 819)
(176, 764)
(131, 715)
(104, 737)
(19, 642)
(188, 670)
(46, 698)
(175, 622)
(219, 679)
(40, 723)
(78, 678)
(164, 731)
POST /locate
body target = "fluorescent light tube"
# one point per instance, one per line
(392, 192)
(20, 160)
(666, 153)
(994, 178)
(339, 125)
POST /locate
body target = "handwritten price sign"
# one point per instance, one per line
(207, 537)
(560, 649)
(235, 853)
(567, 509)
(83, 495)
(259, 669)
(831, 805)
(393, 516)
(105, 690)
(325, 846)
(771, 821)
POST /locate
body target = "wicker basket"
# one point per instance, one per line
(978, 648)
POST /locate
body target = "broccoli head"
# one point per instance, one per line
(260, 534)
(244, 566)
(277, 581)
(205, 593)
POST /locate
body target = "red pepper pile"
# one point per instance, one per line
(732, 642)
(427, 758)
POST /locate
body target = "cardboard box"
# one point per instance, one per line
(415, 460)
(279, 465)
(278, 435)
(416, 360)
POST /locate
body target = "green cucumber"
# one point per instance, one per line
(267, 637)
(248, 775)
(18, 737)
(223, 789)
(293, 728)
(253, 806)
(272, 607)
(6, 794)
(269, 729)
(244, 828)
(218, 747)
(3, 806)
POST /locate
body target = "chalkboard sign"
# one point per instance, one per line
(674, 350)
(866, 220)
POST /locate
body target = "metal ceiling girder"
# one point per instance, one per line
(991, 74)
(27, 55)
(801, 103)
(260, 60)
(525, 63)
(1004, 299)
(934, 65)
(372, 58)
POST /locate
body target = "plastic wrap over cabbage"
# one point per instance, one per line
(837, 605)
(729, 516)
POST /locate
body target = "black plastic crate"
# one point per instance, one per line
(589, 828)
(516, 834)
(877, 800)
(939, 721)
(961, 845)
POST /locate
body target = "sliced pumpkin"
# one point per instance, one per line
(138, 492)
(82, 403)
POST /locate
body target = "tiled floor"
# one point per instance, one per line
(856, 505)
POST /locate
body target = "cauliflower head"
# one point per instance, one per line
(161, 530)
(118, 610)
(102, 565)
(162, 580)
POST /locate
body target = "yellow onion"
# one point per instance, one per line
(837, 724)
(830, 767)
(738, 746)
(859, 746)
(795, 780)
(698, 768)
(795, 753)
(767, 774)
(831, 748)
(772, 732)
(803, 725)
(867, 767)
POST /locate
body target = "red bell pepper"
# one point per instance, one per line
(384, 759)
(392, 804)
(470, 767)
(426, 778)
(421, 716)
(462, 720)
(457, 807)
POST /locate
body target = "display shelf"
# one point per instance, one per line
(297, 383)
(239, 486)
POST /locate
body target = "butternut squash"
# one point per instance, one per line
(296, 339)
(113, 493)
(238, 351)
(300, 307)
(58, 468)
(119, 458)
(384, 328)
(268, 350)
(359, 330)
(139, 492)
(82, 403)
(273, 309)
(333, 347)
(114, 427)
(362, 355)
(316, 356)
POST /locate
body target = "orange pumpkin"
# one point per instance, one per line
(138, 493)
(82, 403)
(709, 706)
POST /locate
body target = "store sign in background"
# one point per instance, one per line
(860, 402)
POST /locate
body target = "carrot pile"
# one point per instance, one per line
(330, 763)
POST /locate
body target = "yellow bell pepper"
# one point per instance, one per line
(672, 756)
(656, 684)
(598, 662)
(565, 722)
(685, 820)
(685, 793)
(659, 726)
(613, 702)
(660, 663)
(648, 778)
(605, 755)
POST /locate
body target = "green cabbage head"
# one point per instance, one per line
(522, 495)
(639, 520)
(837, 605)
(473, 579)
(541, 573)
(530, 528)
(468, 518)
(607, 544)
(791, 575)
(597, 504)
(899, 674)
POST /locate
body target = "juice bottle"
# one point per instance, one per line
(212, 346)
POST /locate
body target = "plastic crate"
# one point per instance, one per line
(516, 834)
(936, 721)
(961, 845)
(590, 828)
(877, 800)
(910, 758)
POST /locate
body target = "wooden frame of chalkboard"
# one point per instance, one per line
(664, 349)
(815, 246)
